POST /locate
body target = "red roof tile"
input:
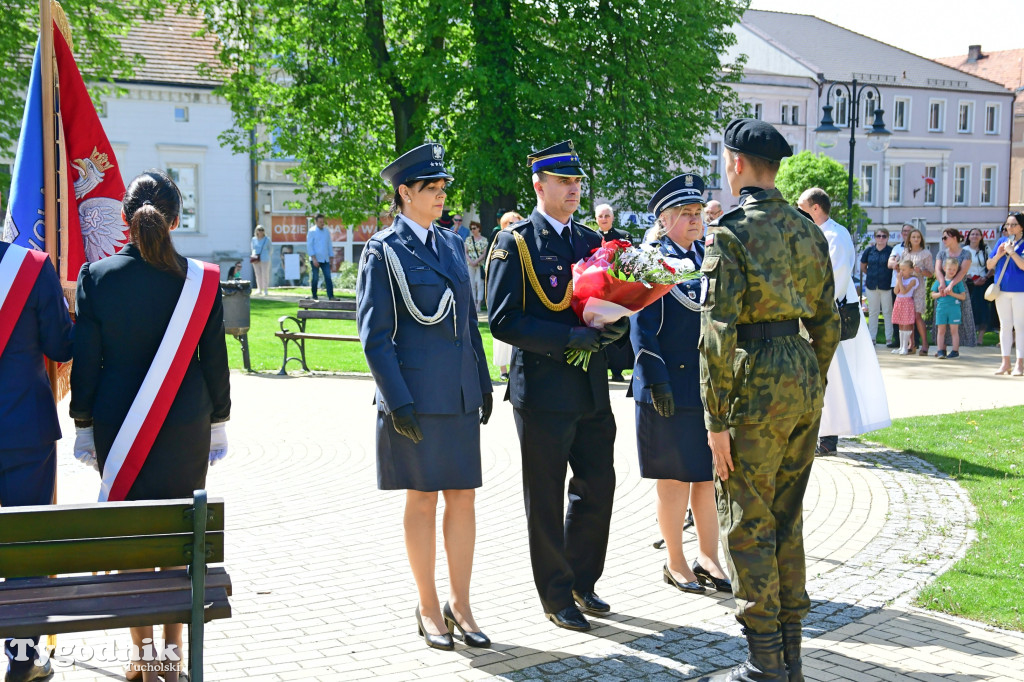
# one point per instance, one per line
(172, 50)
(1003, 66)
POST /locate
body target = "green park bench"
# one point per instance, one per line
(114, 536)
(310, 309)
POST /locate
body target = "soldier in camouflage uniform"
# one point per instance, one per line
(763, 386)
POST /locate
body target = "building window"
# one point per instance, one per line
(965, 118)
(794, 114)
(714, 152)
(868, 175)
(870, 104)
(961, 184)
(988, 185)
(895, 185)
(757, 111)
(841, 115)
(785, 114)
(931, 184)
(992, 119)
(186, 177)
(181, 114)
(936, 115)
(901, 113)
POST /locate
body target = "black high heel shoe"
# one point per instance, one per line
(477, 639)
(434, 641)
(704, 576)
(691, 587)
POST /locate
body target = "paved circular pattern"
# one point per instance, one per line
(322, 587)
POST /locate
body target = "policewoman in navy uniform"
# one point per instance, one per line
(418, 325)
(28, 417)
(670, 436)
(562, 412)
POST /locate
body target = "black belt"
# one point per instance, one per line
(766, 330)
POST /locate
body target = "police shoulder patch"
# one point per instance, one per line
(500, 254)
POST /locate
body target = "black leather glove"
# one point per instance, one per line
(664, 404)
(584, 338)
(486, 408)
(404, 421)
(614, 331)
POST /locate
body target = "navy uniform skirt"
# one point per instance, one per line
(675, 447)
(448, 457)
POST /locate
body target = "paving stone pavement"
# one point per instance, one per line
(322, 588)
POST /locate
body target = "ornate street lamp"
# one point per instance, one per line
(827, 134)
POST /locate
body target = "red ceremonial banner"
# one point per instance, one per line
(94, 188)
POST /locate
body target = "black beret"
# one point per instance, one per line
(756, 138)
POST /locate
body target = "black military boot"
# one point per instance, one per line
(763, 664)
(791, 635)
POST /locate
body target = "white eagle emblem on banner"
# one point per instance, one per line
(100, 217)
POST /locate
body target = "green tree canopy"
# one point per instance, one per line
(806, 170)
(342, 86)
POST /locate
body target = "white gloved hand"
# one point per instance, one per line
(218, 442)
(85, 447)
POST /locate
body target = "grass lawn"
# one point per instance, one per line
(983, 452)
(265, 350)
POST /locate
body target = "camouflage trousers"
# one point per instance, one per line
(760, 510)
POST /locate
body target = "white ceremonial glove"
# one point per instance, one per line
(85, 447)
(218, 442)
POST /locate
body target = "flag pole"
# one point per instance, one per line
(49, 134)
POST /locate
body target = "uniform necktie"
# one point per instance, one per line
(566, 236)
(430, 242)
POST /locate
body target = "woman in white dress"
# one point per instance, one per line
(502, 351)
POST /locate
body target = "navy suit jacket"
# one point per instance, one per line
(664, 337)
(28, 416)
(539, 377)
(441, 368)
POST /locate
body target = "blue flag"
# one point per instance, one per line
(25, 208)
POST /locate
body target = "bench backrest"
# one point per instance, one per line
(84, 538)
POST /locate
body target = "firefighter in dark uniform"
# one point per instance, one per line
(763, 384)
(561, 411)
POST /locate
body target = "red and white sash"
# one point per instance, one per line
(164, 377)
(19, 269)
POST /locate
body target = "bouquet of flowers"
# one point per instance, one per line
(618, 280)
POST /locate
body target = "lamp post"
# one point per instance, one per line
(827, 134)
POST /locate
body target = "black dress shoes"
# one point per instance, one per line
(691, 587)
(477, 639)
(569, 618)
(29, 673)
(434, 641)
(704, 577)
(591, 603)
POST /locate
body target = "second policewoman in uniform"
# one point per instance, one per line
(670, 436)
(417, 324)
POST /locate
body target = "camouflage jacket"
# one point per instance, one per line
(765, 262)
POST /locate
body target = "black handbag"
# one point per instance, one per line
(849, 319)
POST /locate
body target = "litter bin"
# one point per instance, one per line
(236, 295)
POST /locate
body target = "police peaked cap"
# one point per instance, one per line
(558, 159)
(756, 138)
(682, 189)
(425, 162)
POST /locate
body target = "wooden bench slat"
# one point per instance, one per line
(111, 519)
(80, 615)
(316, 337)
(326, 315)
(102, 554)
(93, 586)
(337, 304)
